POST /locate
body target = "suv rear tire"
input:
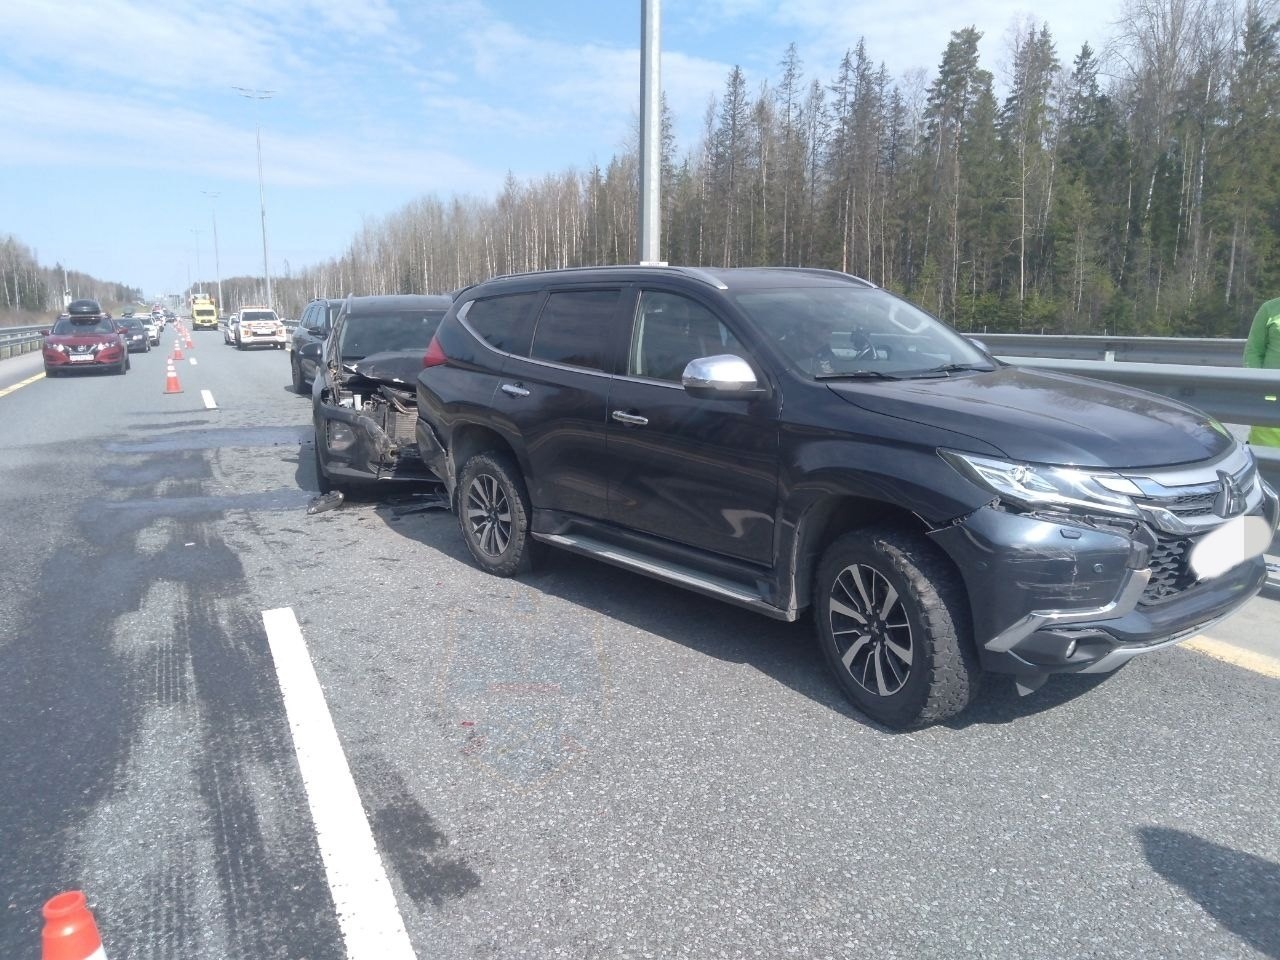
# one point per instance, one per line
(299, 385)
(493, 513)
(893, 623)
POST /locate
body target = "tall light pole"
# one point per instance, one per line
(260, 95)
(198, 280)
(650, 131)
(217, 262)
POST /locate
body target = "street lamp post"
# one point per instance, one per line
(199, 282)
(217, 261)
(260, 95)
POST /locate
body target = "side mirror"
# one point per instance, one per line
(722, 377)
(44, 333)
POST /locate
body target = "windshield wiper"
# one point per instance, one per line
(858, 375)
(956, 368)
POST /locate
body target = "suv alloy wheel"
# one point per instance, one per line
(892, 623)
(493, 512)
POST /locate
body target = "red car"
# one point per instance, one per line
(84, 338)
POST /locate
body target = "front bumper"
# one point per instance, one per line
(1053, 595)
(370, 455)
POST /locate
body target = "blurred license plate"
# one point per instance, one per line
(81, 357)
(1229, 546)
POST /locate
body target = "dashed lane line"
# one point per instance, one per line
(193, 361)
(1237, 656)
(209, 403)
(366, 905)
(20, 384)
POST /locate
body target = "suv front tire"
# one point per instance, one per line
(493, 512)
(893, 624)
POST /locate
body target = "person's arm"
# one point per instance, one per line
(1255, 348)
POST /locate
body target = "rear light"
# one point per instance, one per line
(435, 354)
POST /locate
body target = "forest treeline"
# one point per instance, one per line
(1128, 189)
(29, 292)
(1132, 189)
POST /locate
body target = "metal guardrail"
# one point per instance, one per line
(1210, 351)
(18, 340)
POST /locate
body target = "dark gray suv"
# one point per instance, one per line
(308, 337)
(790, 439)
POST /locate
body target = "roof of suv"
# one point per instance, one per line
(721, 278)
(403, 301)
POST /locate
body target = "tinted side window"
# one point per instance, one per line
(505, 323)
(670, 330)
(574, 328)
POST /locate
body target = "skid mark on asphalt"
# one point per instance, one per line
(430, 869)
(1238, 656)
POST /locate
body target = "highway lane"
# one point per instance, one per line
(582, 763)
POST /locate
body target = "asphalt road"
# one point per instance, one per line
(582, 763)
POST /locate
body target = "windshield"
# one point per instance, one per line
(250, 316)
(132, 323)
(365, 334)
(66, 327)
(833, 331)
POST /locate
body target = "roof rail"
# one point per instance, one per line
(834, 274)
(695, 273)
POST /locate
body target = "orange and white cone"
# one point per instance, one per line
(186, 335)
(177, 349)
(70, 932)
(171, 384)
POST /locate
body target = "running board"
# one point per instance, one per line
(676, 574)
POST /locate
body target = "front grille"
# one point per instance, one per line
(1170, 571)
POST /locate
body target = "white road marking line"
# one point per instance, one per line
(1238, 656)
(23, 383)
(366, 905)
(209, 403)
(193, 362)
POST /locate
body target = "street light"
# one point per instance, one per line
(260, 95)
(198, 280)
(217, 262)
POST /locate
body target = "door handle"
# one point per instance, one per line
(630, 419)
(514, 390)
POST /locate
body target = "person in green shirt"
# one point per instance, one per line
(1262, 350)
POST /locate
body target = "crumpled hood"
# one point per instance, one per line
(396, 367)
(1044, 417)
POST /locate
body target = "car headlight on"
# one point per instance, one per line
(59, 347)
(1049, 487)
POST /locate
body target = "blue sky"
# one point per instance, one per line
(118, 114)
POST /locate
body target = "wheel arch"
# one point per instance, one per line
(830, 517)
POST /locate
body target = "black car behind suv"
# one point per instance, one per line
(364, 397)
(785, 439)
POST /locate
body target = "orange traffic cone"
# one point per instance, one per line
(171, 384)
(69, 930)
(177, 349)
(190, 345)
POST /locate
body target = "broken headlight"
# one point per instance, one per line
(341, 436)
(1037, 486)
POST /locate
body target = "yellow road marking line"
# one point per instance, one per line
(1237, 656)
(24, 383)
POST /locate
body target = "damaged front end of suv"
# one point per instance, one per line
(365, 412)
